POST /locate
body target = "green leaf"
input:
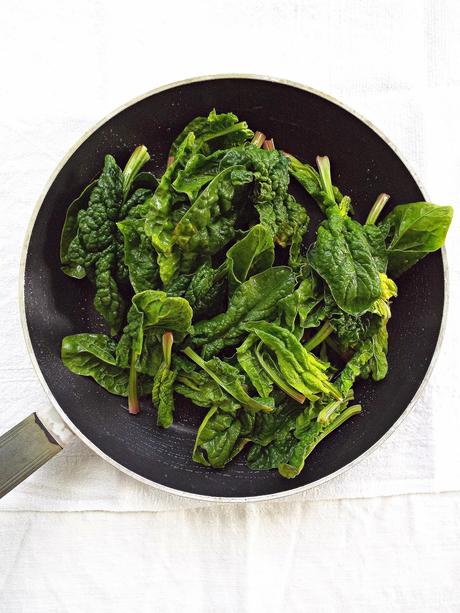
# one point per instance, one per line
(255, 299)
(95, 244)
(198, 172)
(248, 361)
(139, 157)
(272, 455)
(313, 436)
(354, 367)
(301, 369)
(310, 180)
(229, 378)
(69, 231)
(203, 391)
(216, 131)
(376, 241)
(278, 211)
(252, 254)
(159, 224)
(139, 255)
(414, 230)
(343, 258)
(93, 355)
(163, 385)
(217, 439)
(295, 309)
(151, 356)
(209, 224)
(207, 289)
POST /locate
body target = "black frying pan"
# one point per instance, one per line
(305, 123)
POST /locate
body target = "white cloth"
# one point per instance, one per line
(396, 554)
(65, 67)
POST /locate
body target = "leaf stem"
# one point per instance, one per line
(269, 145)
(324, 168)
(377, 208)
(167, 342)
(272, 372)
(139, 157)
(340, 419)
(133, 401)
(322, 334)
(258, 139)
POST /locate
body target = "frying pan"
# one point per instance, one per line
(301, 121)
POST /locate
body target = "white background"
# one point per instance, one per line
(80, 536)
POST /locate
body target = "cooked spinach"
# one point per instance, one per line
(228, 306)
(412, 231)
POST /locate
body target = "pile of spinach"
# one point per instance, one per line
(209, 290)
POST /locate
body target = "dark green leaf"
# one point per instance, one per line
(69, 231)
(217, 439)
(248, 361)
(414, 230)
(252, 254)
(139, 255)
(255, 299)
(301, 369)
(343, 258)
(230, 379)
(93, 355)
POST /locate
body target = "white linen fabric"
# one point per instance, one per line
(378, 555)
(65, 66)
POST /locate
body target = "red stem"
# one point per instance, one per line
(269, 145)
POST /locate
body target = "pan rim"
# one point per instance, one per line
(49, 393)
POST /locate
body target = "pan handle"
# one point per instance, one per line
(23, 449)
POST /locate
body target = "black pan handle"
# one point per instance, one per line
(23, 449)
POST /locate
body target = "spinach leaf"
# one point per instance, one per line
(93, 355)
(376, 240)
(217, 441)
(163, 385)
(216, 131)
(342, 257)
(286, 219)
(209, 224)
(310, 439)
(207, 289)
(161, 312)
(412, 231)
(154, 312)
(151, 356)
(69, 232)
(230, 379)
(377, 366)
(95, 245)
(255, 299)
(310, 180)
(198, 172)
(301, 369)
(248, 361)
(266, 457)
(252, 254)
(354, 367)
(275, 425)
(295, 309)
(203, 391)
(145, 180)
(159, 224)
(139, 255)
